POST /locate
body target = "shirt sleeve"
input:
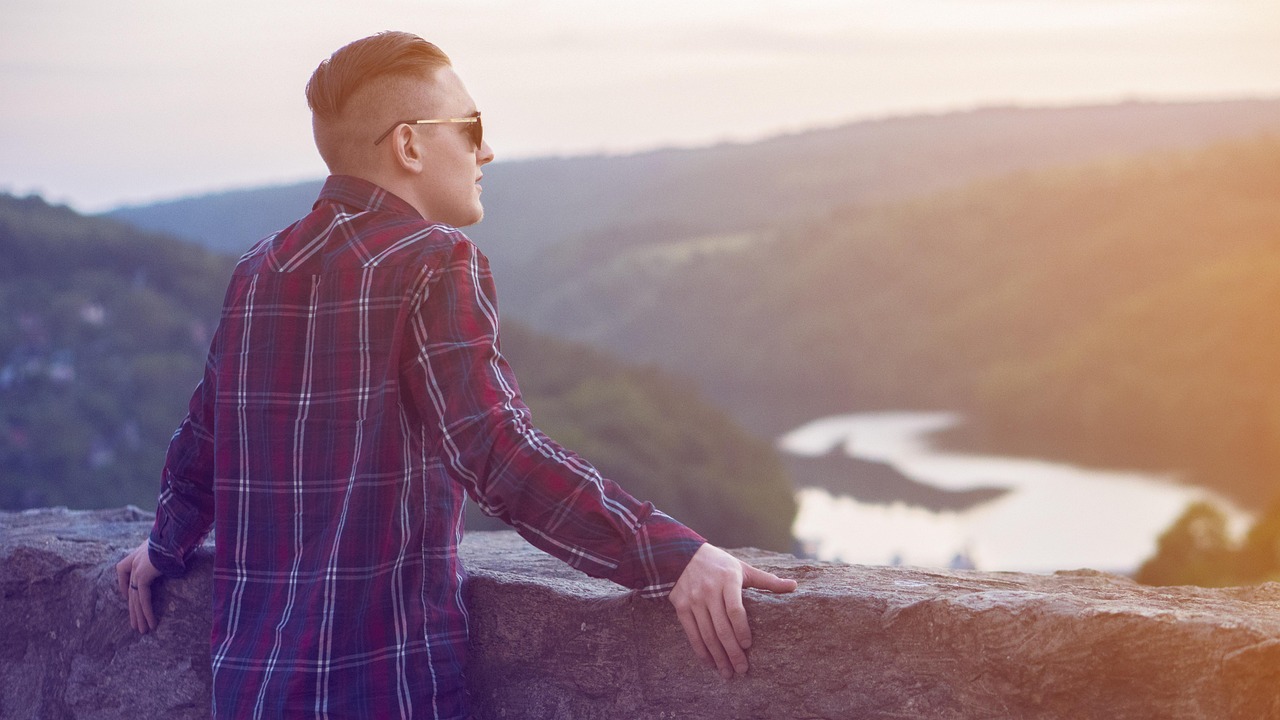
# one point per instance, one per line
(184, 509)
(464, 388)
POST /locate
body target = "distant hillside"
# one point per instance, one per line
(603, 203)
(227, 222)
(1121, 313)
(103, 332)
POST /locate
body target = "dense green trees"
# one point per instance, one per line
(102, 336)
(1198, 549)
(103, 331)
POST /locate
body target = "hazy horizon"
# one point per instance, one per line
(144, 100)
(260, 185)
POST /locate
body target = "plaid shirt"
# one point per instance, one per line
(354, 389)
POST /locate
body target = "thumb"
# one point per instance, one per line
(762, 580)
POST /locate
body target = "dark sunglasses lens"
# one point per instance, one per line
(477, 133)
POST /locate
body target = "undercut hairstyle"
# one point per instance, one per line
(355, 66)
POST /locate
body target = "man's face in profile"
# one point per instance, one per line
(449, 187)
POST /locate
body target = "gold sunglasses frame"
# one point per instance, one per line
(478, 134)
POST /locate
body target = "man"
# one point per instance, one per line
(354, 390)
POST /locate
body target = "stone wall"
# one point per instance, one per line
(852, 642)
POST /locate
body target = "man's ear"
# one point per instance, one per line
(404, 145)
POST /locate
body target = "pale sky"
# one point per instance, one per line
(124, 101)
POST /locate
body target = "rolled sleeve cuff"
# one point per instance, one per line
(172, 566)
(166, 548)
(655, 561)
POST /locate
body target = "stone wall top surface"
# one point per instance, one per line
(852, 641)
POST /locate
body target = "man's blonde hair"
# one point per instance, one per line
(353, 67)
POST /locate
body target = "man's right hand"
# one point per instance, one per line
(708, 601)
(135, 573)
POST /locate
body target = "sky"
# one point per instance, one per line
(111, 102)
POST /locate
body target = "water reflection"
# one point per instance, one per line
(997, 513)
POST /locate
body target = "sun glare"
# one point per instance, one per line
(1016, 16)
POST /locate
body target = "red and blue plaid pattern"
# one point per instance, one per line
(353, 391)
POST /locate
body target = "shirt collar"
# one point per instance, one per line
(360, 194)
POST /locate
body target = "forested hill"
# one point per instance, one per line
(103, 331)
(1123, 313)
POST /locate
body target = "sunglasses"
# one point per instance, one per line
(475, 130)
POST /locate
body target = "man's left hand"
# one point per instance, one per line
(708, 601)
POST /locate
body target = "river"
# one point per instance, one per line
(1037, 516)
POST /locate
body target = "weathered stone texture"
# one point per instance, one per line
(66, 650)
(852, 642)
